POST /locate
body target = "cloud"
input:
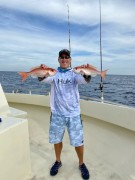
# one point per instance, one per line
(33, 31)
(81, 11)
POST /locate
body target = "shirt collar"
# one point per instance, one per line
(63, 70)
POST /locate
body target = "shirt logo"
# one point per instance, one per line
(64, 81)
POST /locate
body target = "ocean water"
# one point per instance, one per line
(117, 88)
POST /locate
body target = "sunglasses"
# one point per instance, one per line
(64, 57)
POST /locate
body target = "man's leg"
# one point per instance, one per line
(82, 166)
(56, 133)
(58, 149)
(54, 169)
(79, 151)
(76, 139)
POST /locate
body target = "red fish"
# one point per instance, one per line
(38, 72)
(89, 70)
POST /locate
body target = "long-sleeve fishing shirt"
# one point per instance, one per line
(64, 92)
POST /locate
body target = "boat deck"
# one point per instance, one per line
(109, 140)
(42, 158)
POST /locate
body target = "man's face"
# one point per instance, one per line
(64, 61)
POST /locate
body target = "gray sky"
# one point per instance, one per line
(34, 31)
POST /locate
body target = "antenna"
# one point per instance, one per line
(101, 82)
(69, 29)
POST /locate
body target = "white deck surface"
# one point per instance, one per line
(42, 158)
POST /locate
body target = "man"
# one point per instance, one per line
(65, 110)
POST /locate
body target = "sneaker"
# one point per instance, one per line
(84, 171)
(55, 167)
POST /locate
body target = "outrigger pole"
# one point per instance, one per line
(101, 82)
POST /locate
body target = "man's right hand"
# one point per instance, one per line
(43, 66)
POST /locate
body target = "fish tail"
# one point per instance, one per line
(24, 75)
(103, 74)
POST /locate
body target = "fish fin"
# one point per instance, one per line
(41, 66)
(23, 75)
(103, 73)
(90, 66)
(35, 68)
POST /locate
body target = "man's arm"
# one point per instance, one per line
(46, 79)
(41, 78)
(82, 79)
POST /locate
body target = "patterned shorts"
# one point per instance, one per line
(74, 127)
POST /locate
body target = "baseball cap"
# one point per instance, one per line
(64, 51)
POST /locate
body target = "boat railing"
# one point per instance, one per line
(29, 92)
(102, 101)
(87, 98)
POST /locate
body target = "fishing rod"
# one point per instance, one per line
(101, 81)
(69, 32)
(69, 29)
